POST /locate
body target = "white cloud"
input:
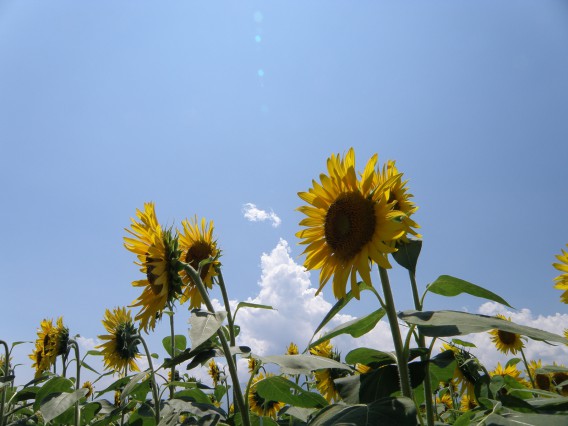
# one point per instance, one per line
(254, 214)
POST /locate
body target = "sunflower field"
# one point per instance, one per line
(357, 222)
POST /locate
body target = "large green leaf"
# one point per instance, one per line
(356, 328)
(60, 403)
(453, 323)
(52, 387)
(386, 411)
(204, 325)
(375, 358)
(301, 364)
(207, 413)
(251, 305)
(180, 343)
(515, 419)
(341, 303)
(131, 384)
(407, 254)
(278, 388)
(446, 285)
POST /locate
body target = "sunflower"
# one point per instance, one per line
(323, 349)
(559, 377)
(120, 349)
(362, 368)
(157, 253)
(60, 338)
(541, 381)
(466, 373)
(467, 402)
(51, 341)
(399, 195)
(325, 378)
(350, 224)
(253, 364)
(197, 244)
(292, 349)
(89, 386)
(446, 401)
(214, 372)
(506, 341)
(562, 279)
(511, 371)
(258, 404)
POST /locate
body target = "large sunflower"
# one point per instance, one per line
(197, 244)
(349, 223)
(258, 404)
(157, 253)
(120, 349)
(397, 193)
(562, 279)
(506, 341)
(51, 341)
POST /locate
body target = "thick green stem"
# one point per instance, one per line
(152, 379)
(6, 374)
(196, 279)
(173, 342)
(75, 346)
(425, 358)
(401, 359)
(528, 369)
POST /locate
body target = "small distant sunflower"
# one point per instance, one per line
(214, 372)
(559, 377)
(562, 279)
(292, 349)
(120, 349)
(197, 244)
(38, 361)
(506, 341)
(511, 371)
(323, 349)
(400, 197)
(60, 338)
(157, 252)
(258, 404)
(51, 341)
(325, 378)
(253, 363)
(468, 402)
(89, 386)
(541, 381)
(446, 401)
(349, 224)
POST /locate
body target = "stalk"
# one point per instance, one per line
(152, 378)
(425, 358)
(75, 346)
(226, 349)
(6, 373)
(401, 359)
(173, 370)
(528, 369)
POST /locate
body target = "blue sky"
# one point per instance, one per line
(203, 107)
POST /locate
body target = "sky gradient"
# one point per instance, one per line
(206, 108)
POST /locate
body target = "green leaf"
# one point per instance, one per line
(341, 303)
(89, 411)
(53, 386)
(180, 343)
(143, 416)
(386, 411)
(407, 254)
(446, 285)
(277, 388)
(301, 364)
(356, 328)
(463, 343)
(131, 384)
(61, 403)
(367, 356)
(254, 420)
(453, 323)
(88, 367)
(207, 413)
(95, 353)
(300, 413)
(515, 419)
(204, 325)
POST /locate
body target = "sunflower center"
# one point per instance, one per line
(198, 252)
(506, 337)
(349, 224)
(542, 381)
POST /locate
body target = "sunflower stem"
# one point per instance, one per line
(6, 373)
(196, 279)
(75, 345)
(173, 343)
(528, 369)
(152, 378)
(424, 358)
(401, 360)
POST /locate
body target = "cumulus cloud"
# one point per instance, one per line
(254, 214)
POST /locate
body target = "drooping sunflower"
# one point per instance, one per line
(558, 378)
(468, 402)
(292, 349)
(197, 244)
(506, 341)
(157, 252)
(467, 371)
(542, 381)
(562, 279)
(397, 193)
(120, 349)
(349, 225)
(325, 383)
(51, 341)
(90, 389)
(259, 405)
(253, 363)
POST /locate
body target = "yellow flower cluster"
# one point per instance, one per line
(51, 341)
